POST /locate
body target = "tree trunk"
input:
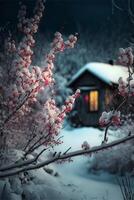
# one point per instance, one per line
(2, 147)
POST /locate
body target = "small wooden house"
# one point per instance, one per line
(97, 81)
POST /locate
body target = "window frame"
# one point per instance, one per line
(98, 99)
(85, 90)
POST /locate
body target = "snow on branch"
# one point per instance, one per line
(125, 89)
(30, 165)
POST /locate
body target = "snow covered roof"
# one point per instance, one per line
(105, 72)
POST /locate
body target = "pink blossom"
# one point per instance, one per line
(110, 117)
(126, 89)
(122, 87)
(28, 81)
(125, 57)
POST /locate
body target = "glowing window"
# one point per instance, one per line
(93, 100)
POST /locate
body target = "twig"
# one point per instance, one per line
(32, 147)
(126, 188)
(110, 123)
(35, 145)
(25, 166)
(122, 191)
(17, 108)
(29, 141)
(66, 150)
(116, 6)
(41, 153)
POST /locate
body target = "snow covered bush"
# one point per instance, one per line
(119, 160)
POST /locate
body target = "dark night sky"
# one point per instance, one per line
(68, 15)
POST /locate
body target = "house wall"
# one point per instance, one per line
(85, 117)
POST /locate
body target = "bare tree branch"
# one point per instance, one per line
(29, 141)
(27, 165)
(110, 123)
(36, 145)
(114, 4)
(17, 108)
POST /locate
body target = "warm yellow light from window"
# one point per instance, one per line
(93, 100)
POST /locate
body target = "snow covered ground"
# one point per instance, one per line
(75, 179)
